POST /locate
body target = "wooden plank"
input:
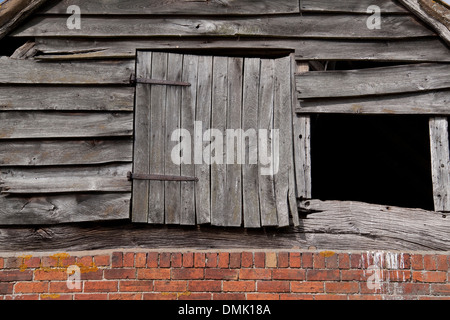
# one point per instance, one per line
(440, 159)
(188, 105)
(398, 79)
(422, 50)
(354, 6)
(32, 72)
(156, 136)
(108, 178)
(268, 206)
(283, 122)
(435, 102)
(175, 7)
(313, 26)
(27, 98)
(69, 208)
(172, 190)
(250, 172)
(218, 124)
(32, 125)
(56, 153)
(141, 188)
(203, 115)
(232, 209)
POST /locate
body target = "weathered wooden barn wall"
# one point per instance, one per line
(68, 113)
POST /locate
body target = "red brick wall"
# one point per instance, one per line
(182, 275)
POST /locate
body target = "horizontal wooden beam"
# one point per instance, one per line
(67, 152)
(175, 7)
(355, 6)
(416, 103)
(398, 79)
(312, 26)
(81, 73)
(45, 125)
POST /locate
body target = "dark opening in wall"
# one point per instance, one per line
(375, 159)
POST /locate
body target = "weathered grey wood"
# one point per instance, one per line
(31, 125)
(436, 102)
(324, 26)
(55, 153)
(141, 188)
(232, 209)
(218, 123)
(268, 206)
(58, 98)
(250, 172)
(302, 146)
(108, 178)
(25, 51)
(440, 162)
(401, 225)
(32, 72)
(422, 50)
(156, 136)
(283, 122)
(57, 209)
(172, 192)
(203, 114)
(432, 14)
(398, 79)
(358, 6)
(175, 7)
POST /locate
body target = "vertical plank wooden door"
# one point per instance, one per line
(225, 121)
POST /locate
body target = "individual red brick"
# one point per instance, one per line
(136, 286)
(199, 260)
(52, 274)
(222, 274)
(332, 262)
(86, 261)
(239, 286)
(22, 297)
(153, 274)
(247, 260)
(417, 262)
(441, 262)
(211, 260)
(120, 273)
(260, 259)
(283, 259)
(170, 286)
(140, 260)
(15, 275)
(396, 275)
(405, 261)
(94, 296)
(271, 260)
(307, 286)
(341, 287)
(430, 276)
(56, 297)
(128, 260)
(364, 297)
(288, 274)
(330, 297)
(31, 287)
(354, 275)
(125, 296)
(205, 286)
(195, 296)
(152, 259)
(100, 286)
(61, 287)
(188, 260)
(6, 288)
(117, 260)
(164, 260)
(295, 260)
(412, 288)
(224, 260)
(235, 260)
(48, 262)
(273, 286)
(255, 274)
(94, 274)
(102, 260)
(35, 262)
(356, 261)
(160, 296)
(177, 260)
(307, 260)
(344, 261)
(322, 275)
(229, 296)
(187, 274)
(429, 262)
(2, 263)
(263, 296)
(440, 289)
(319, 261)
(296, 296)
